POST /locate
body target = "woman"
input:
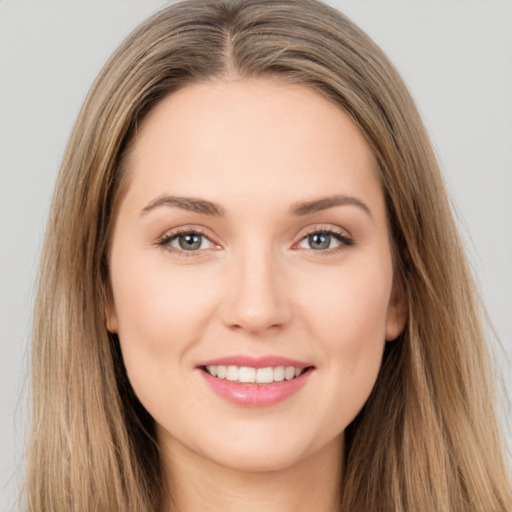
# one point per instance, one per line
(252, 291)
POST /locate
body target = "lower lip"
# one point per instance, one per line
(256, 395)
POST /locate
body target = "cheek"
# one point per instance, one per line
(350, 306)
(160, 317)
(347, 316)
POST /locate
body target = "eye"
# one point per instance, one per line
(325, 240)
(186, 241)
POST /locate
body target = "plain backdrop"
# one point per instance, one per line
(455, 55)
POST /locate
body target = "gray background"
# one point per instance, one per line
(455, 55)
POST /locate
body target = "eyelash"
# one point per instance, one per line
(167, 238)
(340, 236)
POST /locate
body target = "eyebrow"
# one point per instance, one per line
(323, 203)
(301, 208)
(190, 204)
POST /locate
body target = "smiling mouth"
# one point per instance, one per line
(250, 375)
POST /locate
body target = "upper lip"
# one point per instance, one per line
(255, 362)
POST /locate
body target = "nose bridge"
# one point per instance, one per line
(256, 296)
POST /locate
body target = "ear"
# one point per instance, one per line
(111, 313)
(397, 309)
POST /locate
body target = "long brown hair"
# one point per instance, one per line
(427, 438)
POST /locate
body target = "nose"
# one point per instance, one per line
(257, 299)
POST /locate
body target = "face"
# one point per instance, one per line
(251, 273)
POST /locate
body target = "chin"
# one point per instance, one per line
(268, 451)
(257, 461)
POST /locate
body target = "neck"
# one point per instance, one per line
(196, 484)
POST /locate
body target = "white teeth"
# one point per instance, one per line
(232, 373)
(264, 375)
(279, 373)
(289, 372)
(212, 370)
(247, 374)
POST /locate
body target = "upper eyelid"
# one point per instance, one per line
(324, 228)
(164, 241)
(343, 236)
(181, 230)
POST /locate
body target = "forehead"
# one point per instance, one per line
(250, 138)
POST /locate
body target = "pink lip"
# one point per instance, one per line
(255, 395)
(255, 362)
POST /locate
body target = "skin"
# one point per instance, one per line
(255, 286)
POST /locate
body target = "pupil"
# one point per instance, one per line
(190, 242)
(319, 241)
